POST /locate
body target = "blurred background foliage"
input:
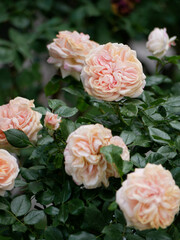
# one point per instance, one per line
(26, 27)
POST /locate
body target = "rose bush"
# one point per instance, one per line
(110, 147)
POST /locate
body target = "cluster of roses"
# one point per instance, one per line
(18, 114)
(149, 198)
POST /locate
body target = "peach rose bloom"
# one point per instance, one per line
(83, 160)
(18, 114)
(149, 198)
(111, 72)
(52, 121)
(68, 52)
(8, 171)
(159, 42)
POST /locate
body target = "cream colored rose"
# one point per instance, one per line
(68, 52)
(8, 171)
(159, 42)
(112, 71)
(83, 160)
(18, 114)
(149, 198)
(52, 121)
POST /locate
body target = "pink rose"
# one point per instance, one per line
(83, 160)
(52, 121)
(18, 114)
(159, 42)
(112, 71)
(68, 52)
(8, 171)
(149, 198)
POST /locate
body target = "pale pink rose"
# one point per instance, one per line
(68, 52)
(159, 42)
(83, 160)
(149, 198)
(19, 115)
(111, 72)
(52, 121)
(8, 171)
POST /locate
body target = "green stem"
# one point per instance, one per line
(116, 107)
(157, 66)
(21, 223)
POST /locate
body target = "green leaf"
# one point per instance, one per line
(76, 206)
(129, 110)
(174, 233)
(74, 92)
(120, 217)
(173, 59)
(155, 58)
(142, 141)
(52, 233)
(63, 213)
(177, 143)
(53, 86)
(106, 195)
(93, 219)
(66, 112)
(45, 140)
(52, 211)
(133, 237)
(34, 217)
(113, 206)
(44, 4)
(29, 174)
(167, 152)
(158, 235)
(127, 167)
(127, 136)
(175, 124)
(138, 160)
(46, 197)
(17, 138)
(42, 224)
(158, 135)
(157, 79)
(113, 232)
(41, 110)
(3, 206)
(82, 236)
(55, 103)
(156, 158)
(176, 175)
(35, 187)
(20, 205)
(19, 227)
(67, 127)
(6, 218)
(112, 154)
(20, 183)
(7, 55)
(65, 192)
(172, 105)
